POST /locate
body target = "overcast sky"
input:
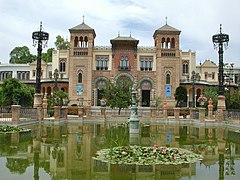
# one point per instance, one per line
(198, 21)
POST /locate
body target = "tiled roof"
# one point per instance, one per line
(124, 38)
(166, 27)
(82, 26)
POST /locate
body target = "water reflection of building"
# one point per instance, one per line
(105, 170)
(66, 151)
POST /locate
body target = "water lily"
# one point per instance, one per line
(147, 155)
(124, 153)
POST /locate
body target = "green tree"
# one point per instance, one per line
(232, 100)
(118, 94)
(59, 96)
(48, 55)
(13, 91)
(61, 43)
(159, 102)
(21, 55)
(180, 95)
(17, 165)
(211, 92)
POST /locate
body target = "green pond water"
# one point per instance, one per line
(68, 151)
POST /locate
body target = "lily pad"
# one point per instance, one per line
(147, 155)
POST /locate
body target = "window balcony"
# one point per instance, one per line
(101, 68)
(124, 68)
(145, 69)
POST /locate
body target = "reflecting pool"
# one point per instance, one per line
(67, 151)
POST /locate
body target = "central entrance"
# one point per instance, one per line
(146, 87)
(145, 98)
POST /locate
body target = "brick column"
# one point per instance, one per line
(153, 112)
(65, 112)
(202, 114)
(165, 115)
(210, 109)
(56, 113)
(80, 112)
(103, 112)
(45, 104)
(94, 97)
(220, 108)
(40, 113)
(176, 113)
(16, 113)
(191, 111)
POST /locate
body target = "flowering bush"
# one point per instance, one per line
(147, 155)
(202, 99)
(103, 101)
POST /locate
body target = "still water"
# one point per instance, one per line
(65, 152)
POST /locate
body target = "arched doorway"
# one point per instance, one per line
(100, 84)
(199, 92)
(146, 87)
(49, 91)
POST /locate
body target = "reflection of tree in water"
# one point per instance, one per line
(17, 166)
(115, 135)
(45, 165)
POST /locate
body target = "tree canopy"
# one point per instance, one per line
(21, 55)
(48, 55)
(12, 91)
(211, 92)
(60, 43)
(118, 94)
(180, 95)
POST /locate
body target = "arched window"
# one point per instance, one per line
(76, 42)
(163, 43)
(173, 43)
(80, 77)
(126, 62)
(62, 66)
(122, 61)
(85, 41)
(168, 43)
(185, 68)
(168, 78)
(81, 41)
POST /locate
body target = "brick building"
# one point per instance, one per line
(157, 69)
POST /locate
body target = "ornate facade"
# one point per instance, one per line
(157, 69)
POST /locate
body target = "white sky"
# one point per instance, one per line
(198, 21)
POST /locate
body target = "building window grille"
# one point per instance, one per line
(80, 77)
(185, 68)
(124, 63)
(168, 78)
(146, 63)
(62, 66)
(102, 62)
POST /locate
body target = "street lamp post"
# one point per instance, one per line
(193, 78)
(56, 76)
(40, 38)
(220, 40)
